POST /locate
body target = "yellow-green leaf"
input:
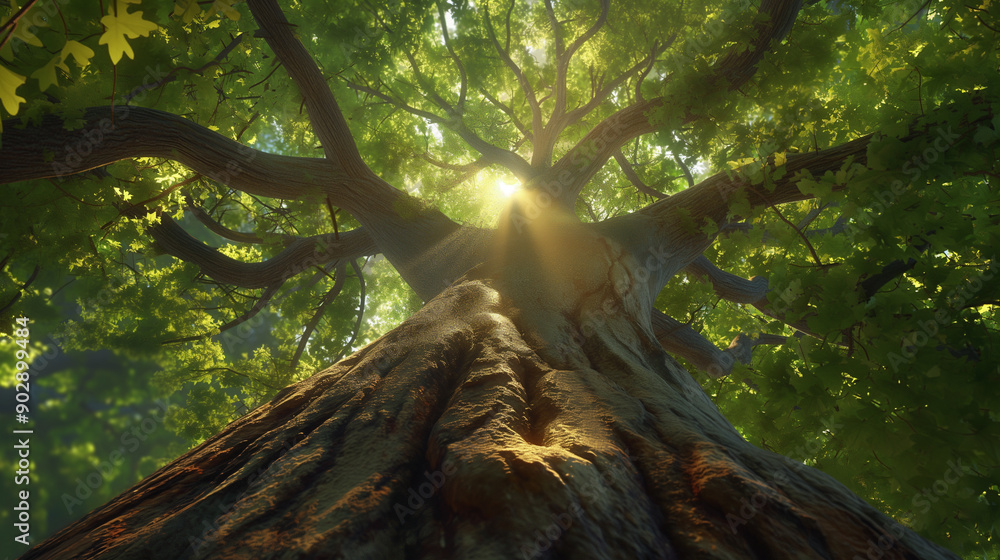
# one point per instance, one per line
(9, 82)
(226, 7)
(123, 193)
(80, 52)
(46, 75)
(23, 32)
(187, 10)
(122, 27)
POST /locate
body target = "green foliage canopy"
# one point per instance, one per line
(890, 268)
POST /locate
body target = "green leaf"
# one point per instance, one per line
(985, 135)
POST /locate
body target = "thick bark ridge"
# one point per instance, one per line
(527, 411)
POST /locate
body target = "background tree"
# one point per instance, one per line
(858, 173)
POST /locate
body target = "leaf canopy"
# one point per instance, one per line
(889, 266)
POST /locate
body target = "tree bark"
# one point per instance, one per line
(527, 411)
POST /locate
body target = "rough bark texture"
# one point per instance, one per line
(527, 411)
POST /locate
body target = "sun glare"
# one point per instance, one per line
(507, 188)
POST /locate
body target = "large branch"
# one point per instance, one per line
(522, 80)
(639, 68)
(402, 228)
(545, 144)
(217, 228)
(740, 64)
(509, 111)
(564, 58)
(492, 153)
(327, 120)
(545, 139)
(634, 178)
(463, 77)
(729, 286)
(407, 231)
(313, 322)
(709, 199)
(47, 149)
(667, 236)
(567, 177)
(388, 213)
(300, 255)
(680, 339)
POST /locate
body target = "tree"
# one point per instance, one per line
(530, 408)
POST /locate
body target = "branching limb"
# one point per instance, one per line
(313, 322)
(507, 110)
(172, 75)
(20, 289)
(395, 102)
(222, 231)
(709, 199)
(590, 154)
(554, 24)
(324, 113)
(361, 304)
(640, 68)
(684, 169)
(633, 177)
(108, 135)
(736, 289)
(871, 285)
(729, 286)
(257, 307)
(740, 64)
(563, 60)
(649, 68)
(544, 143)
(428, 86)
(300, 255)
(461, 168)
(515, 163)
(678, 338)
(504, 52)
(463, 78)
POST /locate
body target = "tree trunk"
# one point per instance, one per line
(527, 411)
